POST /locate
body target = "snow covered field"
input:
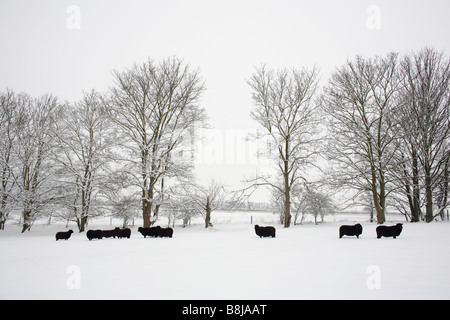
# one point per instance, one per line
(228, 262)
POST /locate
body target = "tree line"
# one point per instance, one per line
(381, 123)
(108, 152)
(389, 122)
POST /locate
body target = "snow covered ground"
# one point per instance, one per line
(228, 262)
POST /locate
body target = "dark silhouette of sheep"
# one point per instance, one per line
(156, 232)
(165, 232)
(265, 231)
(389, 231)
(109, 233)
(355, 230)
(123, 233)
(151, 232)
(63, 235)
(94, 234)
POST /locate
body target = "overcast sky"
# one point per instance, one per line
(65, 47)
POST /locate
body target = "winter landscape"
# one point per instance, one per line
(237, 136)
(229, 261)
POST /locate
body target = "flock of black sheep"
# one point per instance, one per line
(262, 232)
(382, 231)
(119, 233)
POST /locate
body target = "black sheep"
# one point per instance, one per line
(94, 234)
(355, 230)
(265, 231)
(165, 232)
(389, 231)
(63, 235)
(123, 233)
(151, 232)
(108, 233)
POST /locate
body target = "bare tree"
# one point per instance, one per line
(276, 200)
(8, 133)
(83, 138)
(285, 110)
(318, 204)
(425, 120)
(408, 173)
(360, 102)
(204, 200)
(33, 149)
(180, 204)
(154, 106)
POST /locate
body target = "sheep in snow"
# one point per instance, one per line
(265, 231)
(63, 235)
(156, 232)
(165, 232)
(389, 231)
(355, 230)
(151, 232)
(94, 234)
(123, 233)
(109, 233)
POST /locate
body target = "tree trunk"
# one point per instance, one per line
(381, 216)
(208, 214)
(3, 213)
(413, 198)
(287, 202)
(287, 188)
(26, 220)
(208, 217)
(84, 208)
(371, 211)
(147, 193)
(378, 202)
(429, 195)
(146, 213)
(82, 223)
(415, 210)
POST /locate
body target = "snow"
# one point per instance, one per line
(228, 262)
